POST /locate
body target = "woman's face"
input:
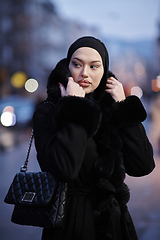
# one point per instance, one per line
(86, 68)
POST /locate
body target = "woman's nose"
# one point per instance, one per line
(84, 72)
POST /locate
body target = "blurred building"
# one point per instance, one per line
(34, 37)
(157, 52)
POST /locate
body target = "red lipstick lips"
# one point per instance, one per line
(84, 83)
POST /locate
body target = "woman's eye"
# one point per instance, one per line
(76, 64)
(94, 66)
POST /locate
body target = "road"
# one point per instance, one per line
(144, 204)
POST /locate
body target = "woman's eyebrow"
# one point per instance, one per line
(75, 58)
(96, 61)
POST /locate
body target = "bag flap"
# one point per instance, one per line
(31, 188)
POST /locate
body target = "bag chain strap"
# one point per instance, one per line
(24, 167)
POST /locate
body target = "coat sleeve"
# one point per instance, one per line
(61, 134)
(137, 150)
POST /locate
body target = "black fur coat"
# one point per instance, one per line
(92, 145)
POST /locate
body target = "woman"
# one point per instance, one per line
(89, 135)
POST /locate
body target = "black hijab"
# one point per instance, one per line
(99, 46)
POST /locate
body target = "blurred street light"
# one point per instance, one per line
(18, 79)
(137, 91)
(139, 69)
(31, 85)
(8, 119)
(156, 84)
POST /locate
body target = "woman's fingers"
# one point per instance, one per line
(70, 79)
(62, 89)
(112, 82)
(72, 89)
(115, 88)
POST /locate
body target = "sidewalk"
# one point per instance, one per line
(144, 204)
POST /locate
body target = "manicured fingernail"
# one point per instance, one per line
(58, 84)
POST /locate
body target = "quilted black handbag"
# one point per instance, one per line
(38, 197)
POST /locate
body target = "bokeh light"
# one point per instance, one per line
(8, 109)
(139, 69)
(8, 119)
(156, 84)
(7, 140)
(158, 81)
(31, 85)
(18, 79)
(137, 91)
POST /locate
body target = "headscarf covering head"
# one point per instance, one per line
(96, 44)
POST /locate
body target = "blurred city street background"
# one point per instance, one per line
(34, 36)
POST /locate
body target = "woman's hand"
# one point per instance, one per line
(115, 88)
(73, 89)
